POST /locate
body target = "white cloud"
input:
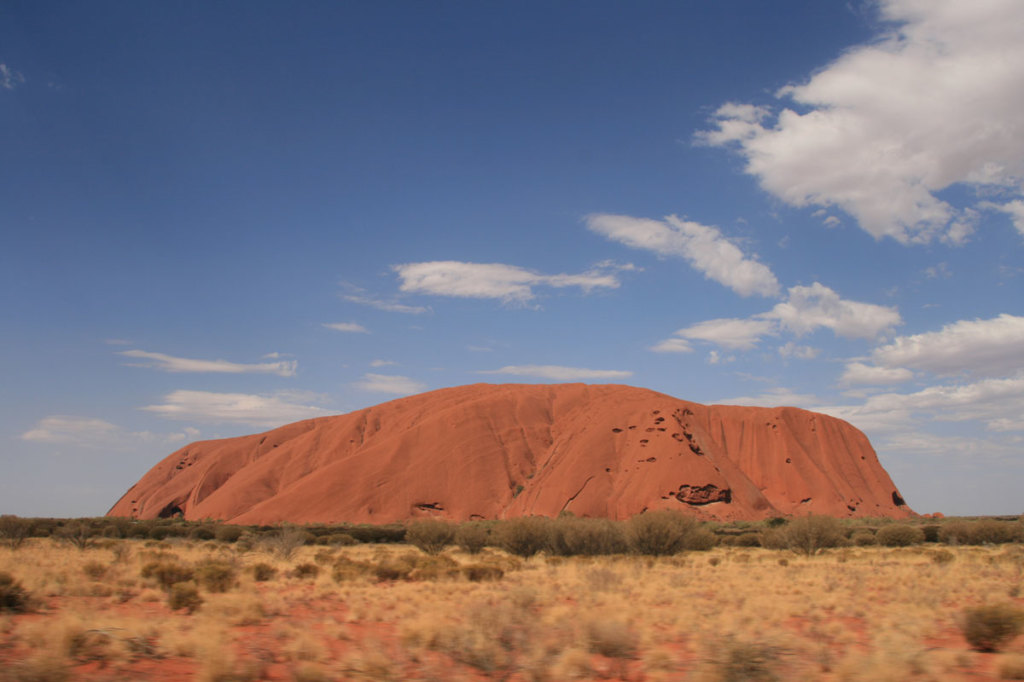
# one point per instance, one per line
(726, 332)
(887, 126)
(998, 403)
(673, 345)
(776, 397)
(95, 434)
(559, 373)
(352, 327)
(792, 350)
(9, 78)
(382, 363)
(385, 383)
(859, 373)
(1015, 209)
(169, 363)
(236, 408)
(705, 248)
(808, 308)
(507, 283)
(980, 347)
(805, 309)
(387, 306)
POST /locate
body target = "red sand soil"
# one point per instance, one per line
(498, 451)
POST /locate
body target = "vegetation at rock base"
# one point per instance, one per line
(655, 598)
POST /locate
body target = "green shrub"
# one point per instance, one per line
(482, 572)
(203, 533)
(306, 571)
(13, 596)
(430, 535)
(994, 532)
(472, 537)
(14, 531)
(262, 572)
(810, 534)
(526, 535)
(340, 540)
(899, 535)
(184, 596)
(167, 573)
(955, 533)
(228, 533)
(863, 538)
(931, 532)
(286, 541)
(216, 576)
(746, 540)
(572, 536)
(367, 533)
(661, 533)
(989, 627)
(78, 534)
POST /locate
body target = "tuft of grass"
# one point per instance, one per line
(263, 572)
(1011, 667)
(746, 661)
(990, 626)
(184, 596)
(612, 638)
(216, 576)
(13, 596)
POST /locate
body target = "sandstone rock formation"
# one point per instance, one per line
(498, 451)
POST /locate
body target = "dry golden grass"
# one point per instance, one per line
(856, 613)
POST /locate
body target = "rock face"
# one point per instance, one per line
(499, 451)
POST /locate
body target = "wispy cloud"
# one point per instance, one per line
(882, 130)
(857, 373)
(508, 283)
(266, 410)
(393, 384)
(559, 373)
(357, 295)
(352, 327)
(10, 78)
(705, 248)
(170, 363)
(382, 363)
(96, 434)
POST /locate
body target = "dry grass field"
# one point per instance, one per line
(179, 609)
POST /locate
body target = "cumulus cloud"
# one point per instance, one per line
(859, 373)
(508, 283)
(883, 129)
(95, 434)
(393, 384)
(559, 373)
(980, 347)
(808, 308)
(267, 410)
(804, 310)
(351, 327)
(169, 363)
(705, 248)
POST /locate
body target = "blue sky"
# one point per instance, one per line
(219, 218)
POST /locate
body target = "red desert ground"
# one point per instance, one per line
(499, 451)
